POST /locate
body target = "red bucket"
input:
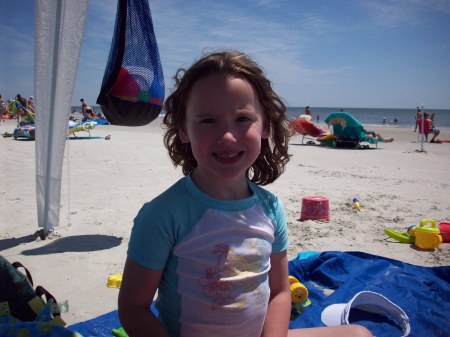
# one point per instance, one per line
(444, 228)
(315, 208)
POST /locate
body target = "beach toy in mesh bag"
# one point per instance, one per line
(132, 91)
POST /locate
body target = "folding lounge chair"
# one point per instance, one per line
(78, 127)
(349, 131)
(312, 133)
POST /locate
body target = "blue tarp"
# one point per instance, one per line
(101, 326)
(335, 277)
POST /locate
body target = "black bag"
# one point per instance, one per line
(18, 298)
(132, 91)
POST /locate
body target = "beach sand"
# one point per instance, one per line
(105, 183)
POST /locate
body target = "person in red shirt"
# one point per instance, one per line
(426, 127)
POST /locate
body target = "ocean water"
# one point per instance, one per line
(367, 116)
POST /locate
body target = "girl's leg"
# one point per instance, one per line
(332, 331)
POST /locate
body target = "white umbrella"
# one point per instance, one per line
(59, 29)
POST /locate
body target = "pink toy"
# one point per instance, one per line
(315, 208)
(444, 227)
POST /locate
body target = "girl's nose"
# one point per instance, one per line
(228, 136)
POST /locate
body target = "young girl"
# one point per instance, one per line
(214, 244)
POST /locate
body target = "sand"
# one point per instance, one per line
(105, 182)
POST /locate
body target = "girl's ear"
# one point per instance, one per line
(183, 136)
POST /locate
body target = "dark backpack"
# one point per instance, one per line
(18, 297)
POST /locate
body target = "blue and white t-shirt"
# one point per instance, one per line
(215, 256)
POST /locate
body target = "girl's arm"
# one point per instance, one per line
(139, 285)
(279, 310)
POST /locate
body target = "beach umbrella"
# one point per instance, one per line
(59, 29)
(345, 125)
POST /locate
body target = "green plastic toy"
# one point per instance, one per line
(403, 237)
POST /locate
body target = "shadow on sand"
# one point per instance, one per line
(13, 242)
(77, 243)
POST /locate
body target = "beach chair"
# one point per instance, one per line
(349, 132)
(80, 127)
(311, 133)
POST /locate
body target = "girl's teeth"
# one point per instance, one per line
(232, 155)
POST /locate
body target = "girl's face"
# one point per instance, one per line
(224, 124)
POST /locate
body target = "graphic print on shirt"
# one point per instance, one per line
(234, 281)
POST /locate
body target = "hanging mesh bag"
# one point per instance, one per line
(132, 91)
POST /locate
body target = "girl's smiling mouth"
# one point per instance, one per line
(228, 156)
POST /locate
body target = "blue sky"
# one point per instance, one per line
(323, 53)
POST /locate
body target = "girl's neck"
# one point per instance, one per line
(222, 189)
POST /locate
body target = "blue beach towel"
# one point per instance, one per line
(103, 325)
(335, 277)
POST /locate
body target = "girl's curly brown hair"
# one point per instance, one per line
(273, 157)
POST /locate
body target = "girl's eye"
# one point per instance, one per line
(242, 119)
(207, 121)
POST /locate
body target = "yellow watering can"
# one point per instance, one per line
(427, 235)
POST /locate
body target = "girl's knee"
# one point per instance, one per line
(352, 330)
(360, 331)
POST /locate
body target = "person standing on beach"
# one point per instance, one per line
(433, 129)
(417, 117)
(3, 108)
(214, 244)
(306, 116)
(83, 106)
(86, 110)
(308, 112)
(30, 104)
(24, 115)
(22, 100)
(433, 114)
(426, 127)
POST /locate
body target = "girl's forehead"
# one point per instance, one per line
(221, 84)
(219, 77)
(219, 89)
